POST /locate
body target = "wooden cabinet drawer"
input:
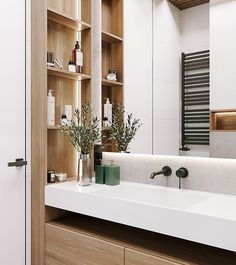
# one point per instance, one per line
(133, 257)
(67, 247)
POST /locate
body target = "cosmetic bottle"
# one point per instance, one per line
(51, 109)
(108, 111)
(105, 122)
(112, 174)
(77, 58)
(71, 67)
(63, 120)
(99, 173)
(68, 113)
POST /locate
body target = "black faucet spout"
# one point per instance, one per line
(166, 171)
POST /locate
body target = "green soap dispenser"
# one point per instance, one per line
(112, 174)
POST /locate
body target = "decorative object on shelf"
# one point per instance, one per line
(50, 59)
(78, 58)
(63, 119)
(112, 174)
(71, 67)
(108, 111)
(51, 176)
(105, 122)
(112, 75)
(60, 177)
(84, 134)
(123, 129)
(68, 113)
(58, 64)
(51, 108)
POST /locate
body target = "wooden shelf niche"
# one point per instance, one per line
(68, 21)
(223, 120)
(112, 54)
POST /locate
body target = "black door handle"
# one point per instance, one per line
(19, 163)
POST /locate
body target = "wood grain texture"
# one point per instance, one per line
(67, 7)
(183, 4)
(38, 128)
(65, 247)
(223, 121)
(133, 257)
(166, 248)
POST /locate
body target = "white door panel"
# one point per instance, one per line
(12, 132)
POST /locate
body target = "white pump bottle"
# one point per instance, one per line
(51, 109)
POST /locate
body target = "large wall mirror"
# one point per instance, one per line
(180, 76)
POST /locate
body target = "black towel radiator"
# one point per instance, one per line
(195, 116)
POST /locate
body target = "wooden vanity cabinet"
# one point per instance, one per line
(82, 240)
(67, 247)
(134, 257)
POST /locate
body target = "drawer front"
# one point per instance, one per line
(65, 247)
(133, 257)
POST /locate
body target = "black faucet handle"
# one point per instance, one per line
(167, 171)
(182, 172)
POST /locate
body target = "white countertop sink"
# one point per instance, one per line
(206, 218)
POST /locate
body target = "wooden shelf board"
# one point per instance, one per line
(106, 82)
(66, 74)
(57, 127)
(110, 38)
(67, 21)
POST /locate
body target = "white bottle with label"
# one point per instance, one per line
(108, 111)
(51, 109)
(68, 113)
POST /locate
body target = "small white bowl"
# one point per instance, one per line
(61, 177)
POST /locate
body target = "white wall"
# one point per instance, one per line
(195, 28)
(166, 78)
(138, 69)
(223, 45)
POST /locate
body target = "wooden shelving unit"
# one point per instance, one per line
(64, 29)
(112, 53)
(56, 26)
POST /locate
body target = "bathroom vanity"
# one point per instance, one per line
(138, 224)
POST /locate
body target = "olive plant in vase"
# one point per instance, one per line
(123, 128)
(84, 133)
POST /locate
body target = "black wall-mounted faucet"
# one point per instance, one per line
(166, 171)
(181, 173)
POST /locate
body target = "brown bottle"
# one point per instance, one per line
(77, 58)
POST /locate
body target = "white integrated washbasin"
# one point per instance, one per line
(153, 195)
(202, 217)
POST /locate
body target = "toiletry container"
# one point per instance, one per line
(68, 113)
(78, 58)
(71, 67)
(112, 174)
(108, 111)
(100, 174)
(51, 109)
